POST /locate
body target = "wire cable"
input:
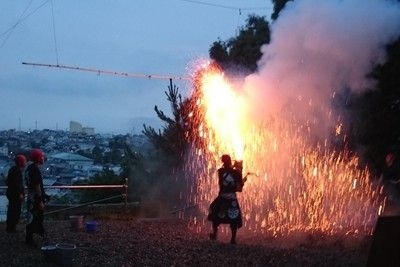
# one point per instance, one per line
(54, 31)
(24, 18)
(9, 31)
(225, 6)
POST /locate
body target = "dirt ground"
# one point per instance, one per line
(173, 242)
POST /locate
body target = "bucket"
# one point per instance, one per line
(65, 254)
(91, 226)
(76, 222)
(49, 252)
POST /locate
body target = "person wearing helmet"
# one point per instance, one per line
(225, 208)
(36, 197)
(15, 193)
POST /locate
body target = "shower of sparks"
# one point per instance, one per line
(296, 183)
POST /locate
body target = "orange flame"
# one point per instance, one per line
(301, 185)
(225, 113)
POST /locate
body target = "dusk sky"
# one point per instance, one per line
(159, 37)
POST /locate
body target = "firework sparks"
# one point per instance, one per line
(301, 184)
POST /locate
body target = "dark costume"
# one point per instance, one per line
(391, 176)
(35, 212)
(15, 193)
(225, 208)
(391, 170)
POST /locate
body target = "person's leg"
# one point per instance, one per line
(233, 233)
(29, 235)
(213, 235)
(30, 228)
(12, 216)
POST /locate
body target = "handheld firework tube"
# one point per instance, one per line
(238, 165)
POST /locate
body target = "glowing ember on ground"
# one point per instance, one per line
(301, 184)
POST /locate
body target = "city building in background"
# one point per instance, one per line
(76, 127)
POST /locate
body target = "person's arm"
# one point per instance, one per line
(10, 176)
(39, 196)
(35, 180)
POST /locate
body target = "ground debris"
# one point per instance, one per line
(172, 243)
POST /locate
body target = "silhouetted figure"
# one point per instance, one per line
(15, 193)
(225, 208)
(391, 176)
(36, 197)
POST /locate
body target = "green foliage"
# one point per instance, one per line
(107, 177)
(66, 199)
(377, 112)
(243, 51)
(139, 179)
(278, 6)
(171, 141)
(97, 155)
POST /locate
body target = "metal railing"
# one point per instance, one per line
(124, 193)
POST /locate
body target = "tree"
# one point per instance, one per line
(97, 155)
(278, 6)
(243, 51)
(104, 178)
(171, 141)
(377, 112)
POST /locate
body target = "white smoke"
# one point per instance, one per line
(321, 47)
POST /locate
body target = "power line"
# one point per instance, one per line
(54, 31)
(9, 31)
(109, 72)
(24, 18)
(225, 6)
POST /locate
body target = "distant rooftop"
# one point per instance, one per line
(69, 157)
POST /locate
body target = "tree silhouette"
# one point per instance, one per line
(376, 113)
(171, 140)
(243, 51)
(278, 6)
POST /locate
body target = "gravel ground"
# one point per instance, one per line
(172, 242)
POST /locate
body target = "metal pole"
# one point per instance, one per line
(126, 195)
(79, 186)
(109, 72)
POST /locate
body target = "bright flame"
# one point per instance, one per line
(300, 184)
(224, 114)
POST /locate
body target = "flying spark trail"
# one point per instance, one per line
(301, 183)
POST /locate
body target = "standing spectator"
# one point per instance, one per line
(391, 176)
(225, 208)
(15, 193)
(36, 197)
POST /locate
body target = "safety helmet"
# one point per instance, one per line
(20, 161)
(37, 156)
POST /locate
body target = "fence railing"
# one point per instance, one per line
(123, 187)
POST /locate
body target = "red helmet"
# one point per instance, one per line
(37, 156)
(20, 161)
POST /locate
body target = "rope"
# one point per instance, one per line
(84, 204)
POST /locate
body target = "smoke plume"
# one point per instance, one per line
(319, 48)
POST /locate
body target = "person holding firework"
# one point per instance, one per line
(225, 208)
